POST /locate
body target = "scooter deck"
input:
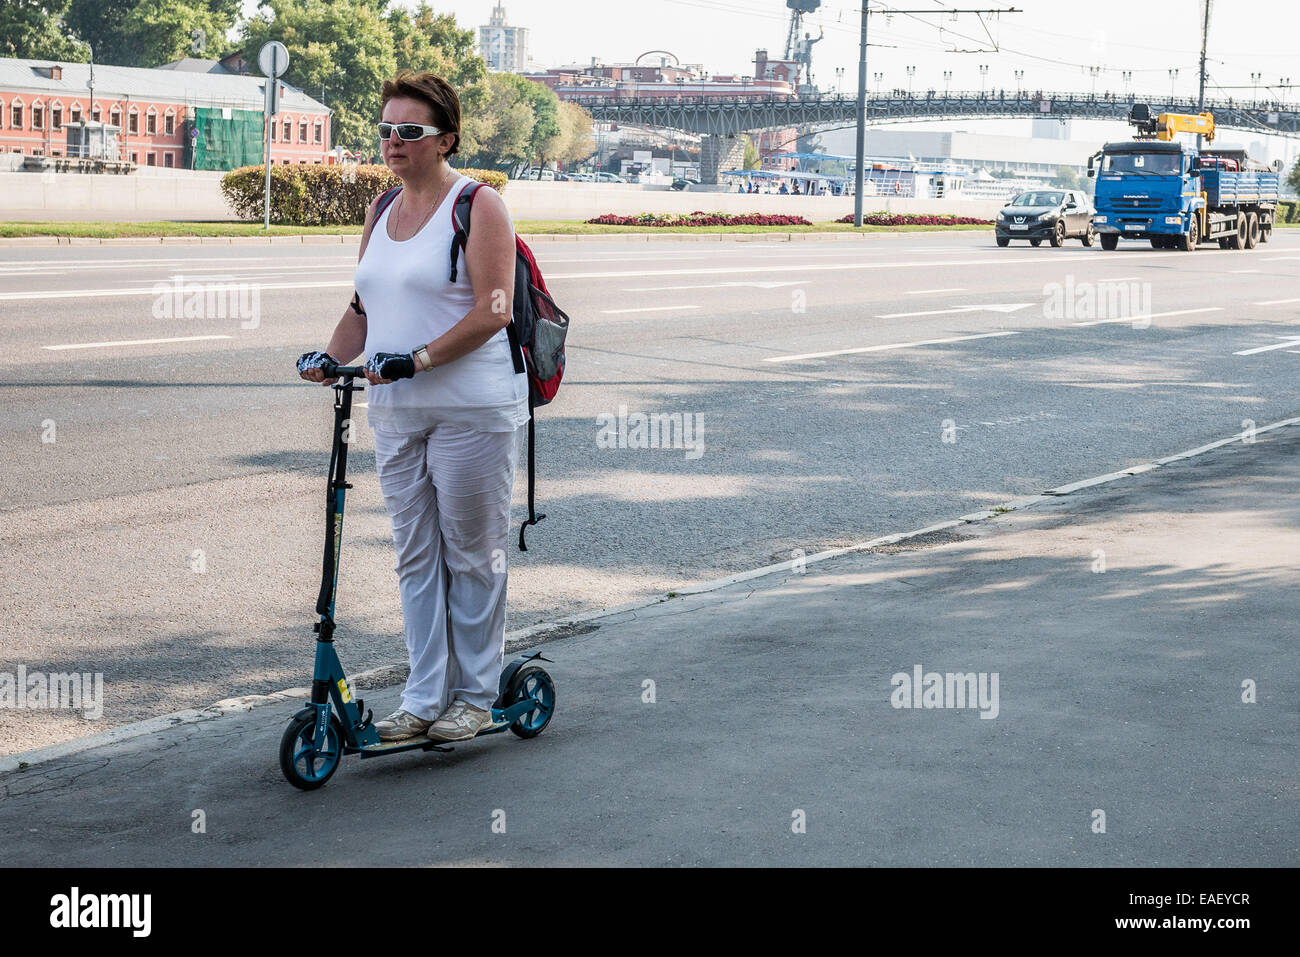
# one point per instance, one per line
(422, 743)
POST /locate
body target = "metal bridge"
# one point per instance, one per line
(728, 115)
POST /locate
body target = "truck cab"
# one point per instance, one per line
(1146, 189)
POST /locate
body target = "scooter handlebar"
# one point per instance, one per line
(344, 372)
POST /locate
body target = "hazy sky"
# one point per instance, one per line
(1055, 42)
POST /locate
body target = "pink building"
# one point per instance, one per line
(154, 110)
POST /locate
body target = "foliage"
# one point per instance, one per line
(311, 195)
(914, 219)
(752, 159)
(149, 33)
(698, 218)
(34, 30)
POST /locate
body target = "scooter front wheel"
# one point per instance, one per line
(305, 767)
(532, 681)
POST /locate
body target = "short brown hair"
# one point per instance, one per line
(432, 90)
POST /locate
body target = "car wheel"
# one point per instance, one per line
(1058, 234)
(1090, 236)
(1003, 240)
(1035, 242)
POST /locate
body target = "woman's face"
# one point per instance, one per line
(403, 158)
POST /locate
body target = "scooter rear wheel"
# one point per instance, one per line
(303, 766)
(532, 681)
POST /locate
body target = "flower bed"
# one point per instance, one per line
(913, 219)
(698, 218)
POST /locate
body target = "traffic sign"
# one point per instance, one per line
(273, 58)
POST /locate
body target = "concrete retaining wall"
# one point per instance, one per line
(163, 194)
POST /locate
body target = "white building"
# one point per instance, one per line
(505, 48)
(1036, 157)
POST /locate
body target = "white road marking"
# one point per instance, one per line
(1278, 259)
(131, 342)
(1275, 302)
(97, 293)
(1288, 342)
(896, 345)
(617, 312)
(1239, 271)
(722, 285)
(1122, 279)
(993, 307)
(81, 264)
(923, 292)
(838, 267)
(1152, 315)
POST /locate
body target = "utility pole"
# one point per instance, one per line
(1205, 36)
(860, 173)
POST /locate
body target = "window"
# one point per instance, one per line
(288, 132)
(95, 113)
(151, 124)
(116, 118)
(302, 131)
(150, 160)
(135, 157)
(134, 123)
(56, 118)
(38, 117)
(169, 125)
(274, 127)
(316, 134)
(167, 157)
(76, 113)
(16, 117)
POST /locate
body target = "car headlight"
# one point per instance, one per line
(1046, 216)
(1099, 219)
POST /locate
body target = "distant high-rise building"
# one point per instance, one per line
(505, 48)
(1050, 128)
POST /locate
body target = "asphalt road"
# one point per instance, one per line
(169, 535)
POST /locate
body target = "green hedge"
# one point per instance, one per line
(311, 195)
(1288, 211)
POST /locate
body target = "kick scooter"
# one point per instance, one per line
(331, 725)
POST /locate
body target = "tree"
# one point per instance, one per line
(577, 134)
(344, 47)
(1293, 177)
(499, 132)
(1066, 178)
(752, 159)
(35, 30)
(149, 33)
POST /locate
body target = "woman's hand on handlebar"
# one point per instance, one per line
(317, 367)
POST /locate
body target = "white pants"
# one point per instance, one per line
(447, 491)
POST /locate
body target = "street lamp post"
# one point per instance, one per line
(911, 72)
(1094, 70)
(839, 79)
(1020, 75)
(947, 79)
(1173, 81)
(1254, 83)
(878, 77)
(1128, 81)
(984, 72)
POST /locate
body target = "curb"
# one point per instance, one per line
(568, 626)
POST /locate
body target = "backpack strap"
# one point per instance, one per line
(385, 200)
(533, 517)
(460, 222)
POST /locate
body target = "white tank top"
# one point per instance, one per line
(410, 300)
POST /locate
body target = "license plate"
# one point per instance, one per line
(1133, 227)
(1014, 226)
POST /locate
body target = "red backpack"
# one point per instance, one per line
(536, 330)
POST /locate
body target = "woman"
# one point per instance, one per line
(445, 405)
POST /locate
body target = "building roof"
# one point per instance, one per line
(171, 85)
(191, 64)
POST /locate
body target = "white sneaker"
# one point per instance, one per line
(460, 722)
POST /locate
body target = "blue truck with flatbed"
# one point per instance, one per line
(1177, 196)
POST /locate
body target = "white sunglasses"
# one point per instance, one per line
(407, 132)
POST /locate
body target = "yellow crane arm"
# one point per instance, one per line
(1170, 124)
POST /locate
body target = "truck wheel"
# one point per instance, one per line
(1187, 242)
(1265, 233)
(1238, 239)
(1109, 240)
(1252, 230)
(1058, 234)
